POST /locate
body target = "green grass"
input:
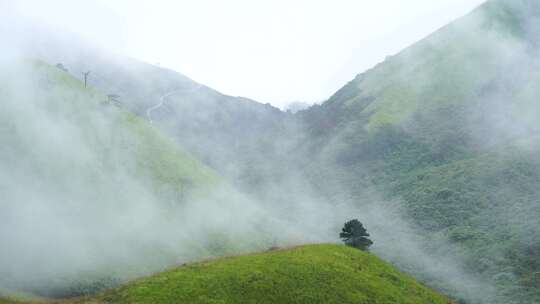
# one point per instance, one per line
(444, 69)
(308, 274)
(448, 127)
(117, 140)
(157, 155)
(62, 142)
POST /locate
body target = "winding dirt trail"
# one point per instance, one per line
(158, 105)
(162, 102)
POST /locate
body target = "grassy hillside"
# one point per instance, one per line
(449, 128)
(307, 274)
(64, 97)
(215, 127)
(115, 197)
(449, 67)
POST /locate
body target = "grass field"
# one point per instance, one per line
(306, 274)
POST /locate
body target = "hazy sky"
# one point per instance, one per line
(273, 51)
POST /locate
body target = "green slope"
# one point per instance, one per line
(82, 181)
(215, 127)
(444, 127)
(112, 131)
(307, 274)
(447, 68)
(449, 127)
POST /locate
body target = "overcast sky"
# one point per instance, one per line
(275, 51)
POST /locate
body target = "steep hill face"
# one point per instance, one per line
(74, 170)
(215, 127)
(308, 274)
(450, 127)
(92, 195)
(247, 142)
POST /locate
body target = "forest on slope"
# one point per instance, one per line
(449, 127)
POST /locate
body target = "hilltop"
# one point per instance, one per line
(306, 274)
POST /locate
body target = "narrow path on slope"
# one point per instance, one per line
(162, 102)
(157, 106)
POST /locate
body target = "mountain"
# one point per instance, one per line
(94, 195)
(449, 127)
(215, 127)
(92, 192)
(74, 168)
(247, 142)
(307, 274)
(434, 150)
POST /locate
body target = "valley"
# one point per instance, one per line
(434, 150)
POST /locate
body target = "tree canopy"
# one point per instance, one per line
(355, 235)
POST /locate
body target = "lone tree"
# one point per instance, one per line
(355, 235)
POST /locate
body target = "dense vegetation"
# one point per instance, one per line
(447, 127)
(354, 234)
